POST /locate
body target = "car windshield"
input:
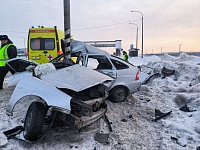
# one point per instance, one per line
(75, 57)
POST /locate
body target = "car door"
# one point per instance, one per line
(20, 68)
(42, 50)
(102, 64)
(18, 65)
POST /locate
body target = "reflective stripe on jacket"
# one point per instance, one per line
(4, 55)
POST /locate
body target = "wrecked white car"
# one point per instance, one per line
(126, 75)
(74, 96)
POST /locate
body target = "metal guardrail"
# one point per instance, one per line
(22, 55)
(101, 43)
(174, 53)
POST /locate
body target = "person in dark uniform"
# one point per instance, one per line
(7, 51)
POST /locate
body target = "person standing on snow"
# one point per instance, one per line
(7, 51)
(125, 56)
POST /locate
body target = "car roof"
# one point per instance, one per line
(78, 46)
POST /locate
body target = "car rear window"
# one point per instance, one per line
(42, 44)
(119, 65)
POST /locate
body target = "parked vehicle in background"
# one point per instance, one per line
(22, 52)
(44, 44)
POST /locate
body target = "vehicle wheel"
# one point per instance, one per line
(34, 121)
(118, 94)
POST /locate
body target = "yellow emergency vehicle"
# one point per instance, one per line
(44, 44)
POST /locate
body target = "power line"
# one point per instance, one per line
(85, 28)
(105, 25)
(13, 31)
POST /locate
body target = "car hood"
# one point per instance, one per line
(76, 78)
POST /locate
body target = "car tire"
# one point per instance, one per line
(118, 94)
(34, 121)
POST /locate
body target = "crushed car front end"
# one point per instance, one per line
(74, 97)
(85, 108)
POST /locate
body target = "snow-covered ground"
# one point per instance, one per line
(131, 121)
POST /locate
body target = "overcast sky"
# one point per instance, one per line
(167, 23)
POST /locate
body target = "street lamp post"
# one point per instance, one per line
(179, 48)
(24, 42)
(136, 34)
(142, 31)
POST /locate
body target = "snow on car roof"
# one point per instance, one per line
(75, 77)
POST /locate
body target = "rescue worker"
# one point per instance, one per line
(7, 51)
(125, 56)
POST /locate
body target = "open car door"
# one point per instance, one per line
(20, 64)
(20, 67)
(101, 64)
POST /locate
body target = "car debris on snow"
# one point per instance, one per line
(159, 115)
(3, 139)
(185, 108)
(102, 138)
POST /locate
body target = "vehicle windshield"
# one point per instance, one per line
(42, 44)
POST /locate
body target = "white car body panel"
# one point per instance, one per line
(143, 76)
(14, 79)
(37, 87)
(126, 77)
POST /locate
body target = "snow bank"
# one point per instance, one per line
(180, 89)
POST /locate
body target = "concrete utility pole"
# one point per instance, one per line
(67, 51)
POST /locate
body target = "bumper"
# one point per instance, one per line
(99, 108)
(134, 86)
(79, 122)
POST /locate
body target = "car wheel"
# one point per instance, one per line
(34, 121)
(118, 94)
